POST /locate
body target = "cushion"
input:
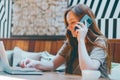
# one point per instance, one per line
(20, 54)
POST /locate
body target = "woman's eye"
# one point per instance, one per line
(72, 23)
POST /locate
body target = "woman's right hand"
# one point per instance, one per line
(29, 63)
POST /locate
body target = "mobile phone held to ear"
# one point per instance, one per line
(87, 19)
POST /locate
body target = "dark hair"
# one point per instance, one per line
(74, 52)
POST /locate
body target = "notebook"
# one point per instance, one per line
(4, 64)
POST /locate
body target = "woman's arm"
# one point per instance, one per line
(51, 65)
(84, 59)
(48, 65)
(59, 60)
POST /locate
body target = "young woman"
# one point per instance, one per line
(84, 49)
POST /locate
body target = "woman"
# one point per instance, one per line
(85, 48)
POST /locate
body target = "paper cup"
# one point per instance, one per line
(90, 74)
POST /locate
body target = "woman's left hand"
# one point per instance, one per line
(81, 31)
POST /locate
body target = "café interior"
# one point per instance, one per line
(36, 27)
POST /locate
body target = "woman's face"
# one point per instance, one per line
(72, 20)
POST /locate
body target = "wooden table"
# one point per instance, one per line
(45, 76)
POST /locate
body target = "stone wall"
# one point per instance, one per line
(38, 17)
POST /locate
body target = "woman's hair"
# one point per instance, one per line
(93, 32)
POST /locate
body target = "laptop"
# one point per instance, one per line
(4, 64)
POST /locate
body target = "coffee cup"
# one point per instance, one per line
(90, 74)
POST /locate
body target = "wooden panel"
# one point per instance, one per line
(117, 52)
(115, 49)
(31, 45)
(112, 48)
(48, 45)
(52, 46)
(42, 46)
(38, 46)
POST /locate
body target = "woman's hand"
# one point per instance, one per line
(28, 63)
(81, 31)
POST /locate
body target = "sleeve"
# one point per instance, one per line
(65, 49)
(99, 53)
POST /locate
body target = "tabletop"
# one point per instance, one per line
(45, 76)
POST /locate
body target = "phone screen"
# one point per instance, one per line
(88, 20)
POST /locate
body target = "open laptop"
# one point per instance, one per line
(4, 64)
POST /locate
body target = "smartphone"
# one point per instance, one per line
(87, 19)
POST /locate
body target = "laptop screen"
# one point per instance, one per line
(3, 56)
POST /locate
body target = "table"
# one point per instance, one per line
(45, 76)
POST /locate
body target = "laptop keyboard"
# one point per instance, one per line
(24, 69)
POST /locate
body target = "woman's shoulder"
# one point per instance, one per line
(65, 45)
(66, 42)
(100, 40)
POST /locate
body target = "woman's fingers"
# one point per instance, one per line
(32, 63)
(29, 65)
(24, 62)
(80, 24)
(21, 64)
(86, 28)
(82, 30)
